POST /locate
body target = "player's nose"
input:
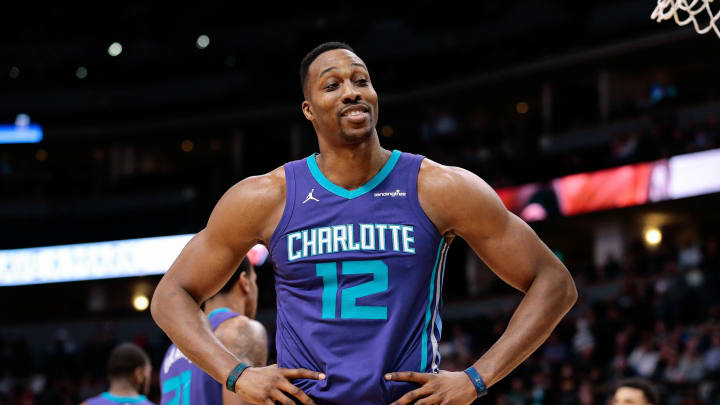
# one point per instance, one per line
(350, 93)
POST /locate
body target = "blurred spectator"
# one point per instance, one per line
(583, 341)
(554, 350)
(644, 358)
(517, 394)
(711, 359)
(690, 366)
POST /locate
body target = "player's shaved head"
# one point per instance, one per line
(312, 55)
(125, 359)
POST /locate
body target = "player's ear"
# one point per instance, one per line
(307, 110)
(244, 282)
(139, 375)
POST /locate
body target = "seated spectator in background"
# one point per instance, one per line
(518, 394)
(635, 391)
(129, 371)
(711, 359)
(644, 358)
(691, 364)
(555, 351)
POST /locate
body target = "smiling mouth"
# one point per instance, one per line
(355, 111)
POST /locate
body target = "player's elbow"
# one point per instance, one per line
(558, 287)
(157, 304)
(567, 291)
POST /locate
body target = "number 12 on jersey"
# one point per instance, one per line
(348, 296)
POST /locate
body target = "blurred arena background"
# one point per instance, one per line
(121, 125)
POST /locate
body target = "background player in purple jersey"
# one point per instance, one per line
(129, 372)
(342, 105)
(230, 312)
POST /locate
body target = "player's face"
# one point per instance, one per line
(629, 396)
(341, 101)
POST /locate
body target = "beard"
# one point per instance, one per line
(143, 387)
(356, 136)
(353, 136)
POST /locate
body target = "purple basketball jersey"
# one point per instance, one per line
(107, 398)
(358, 275)
(182, 382)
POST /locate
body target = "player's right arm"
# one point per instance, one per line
(247, 214)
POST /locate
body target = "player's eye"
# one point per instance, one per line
(362, 82)
(331, 86)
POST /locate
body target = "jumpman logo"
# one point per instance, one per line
(310, 197)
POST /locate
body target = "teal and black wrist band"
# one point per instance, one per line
(234, 375)
(477, 381)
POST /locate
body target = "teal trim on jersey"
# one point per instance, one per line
(111, 397)
(423, 349)
(350, 194)
(218, 311)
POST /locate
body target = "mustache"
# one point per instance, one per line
(339, 112)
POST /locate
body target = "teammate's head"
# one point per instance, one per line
(130, 364)
(340, 100)
(635, 391)
(242, 287)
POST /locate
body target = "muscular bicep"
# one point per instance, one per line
(244, 216)
(470, 208)
(513, 251)
(205, 264)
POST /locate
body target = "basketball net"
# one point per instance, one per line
(686, 11)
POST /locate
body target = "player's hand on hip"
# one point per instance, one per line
(265, 385)
(445, 388)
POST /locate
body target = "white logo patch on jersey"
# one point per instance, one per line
(310, 197)
(396, 193)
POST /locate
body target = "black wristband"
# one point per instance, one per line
(234, 375)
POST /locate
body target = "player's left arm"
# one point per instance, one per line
(246, 339)
(460, 203)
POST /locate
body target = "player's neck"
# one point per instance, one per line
(123, 388)
(351, 166)
(222, 301)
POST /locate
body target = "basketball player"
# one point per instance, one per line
(635, 391)
(129, 372)
(358, 237)
(230, 314)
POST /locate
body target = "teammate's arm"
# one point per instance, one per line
(246, 215)
(246, 339)
(460, 203)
